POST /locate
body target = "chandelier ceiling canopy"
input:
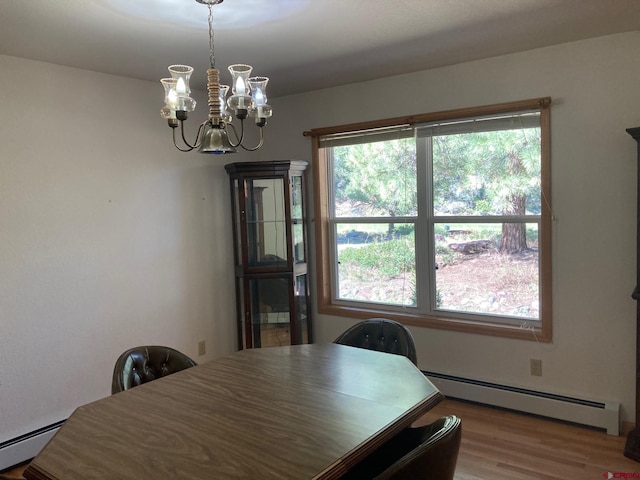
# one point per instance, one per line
(232, 15)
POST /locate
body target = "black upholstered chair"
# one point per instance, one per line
(421, 453)
(383, 335)
(139, 365)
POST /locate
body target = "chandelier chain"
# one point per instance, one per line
(212, 55)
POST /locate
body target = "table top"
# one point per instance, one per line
(297, 412)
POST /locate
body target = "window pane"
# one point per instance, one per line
(487, 173)
(375, 179)
(475, 276)
(376, 263)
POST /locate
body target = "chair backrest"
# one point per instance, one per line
(383, 335)
(432, 452)
(139, 365)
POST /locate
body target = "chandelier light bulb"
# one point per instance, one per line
(259, 98)
(258, 86)
(240, 88)
(173, 99)
(182, 74)
(224, 113)
(181, 88)
(168, 111)
(259, 108)
(240, 75)
(169, 85)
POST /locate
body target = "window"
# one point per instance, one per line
(438, 220)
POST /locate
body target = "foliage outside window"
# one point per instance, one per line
(438, 220)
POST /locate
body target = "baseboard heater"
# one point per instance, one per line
(25, 447)
(605, 415)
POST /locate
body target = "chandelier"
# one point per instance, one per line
(248, 99)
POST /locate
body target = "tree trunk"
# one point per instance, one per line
(514, 235)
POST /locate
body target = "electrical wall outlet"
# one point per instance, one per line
(536, 367)
(202, 348)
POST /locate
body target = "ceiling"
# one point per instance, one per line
(300, 44)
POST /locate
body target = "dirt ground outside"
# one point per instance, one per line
(487, 282)
(491, 282)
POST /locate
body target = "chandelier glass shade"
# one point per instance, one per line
(248, 99)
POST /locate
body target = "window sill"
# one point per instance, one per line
(459, 325)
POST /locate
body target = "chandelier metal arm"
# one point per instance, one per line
(259, 144)
(240, 138)
(197, 141)
(175, 144)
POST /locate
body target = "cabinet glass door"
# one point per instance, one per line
(267, 316)
(266, 221)
(297, 209)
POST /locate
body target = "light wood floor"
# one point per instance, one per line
(503, 445)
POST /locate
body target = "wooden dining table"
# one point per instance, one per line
(295, 412)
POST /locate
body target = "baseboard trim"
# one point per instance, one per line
(23, 448)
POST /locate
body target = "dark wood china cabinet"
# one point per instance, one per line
(270, 250)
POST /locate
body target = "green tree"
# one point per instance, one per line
(377, 179)
(481, 173)
(490, 173)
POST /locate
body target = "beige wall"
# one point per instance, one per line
(594, 88)
(109, 238)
